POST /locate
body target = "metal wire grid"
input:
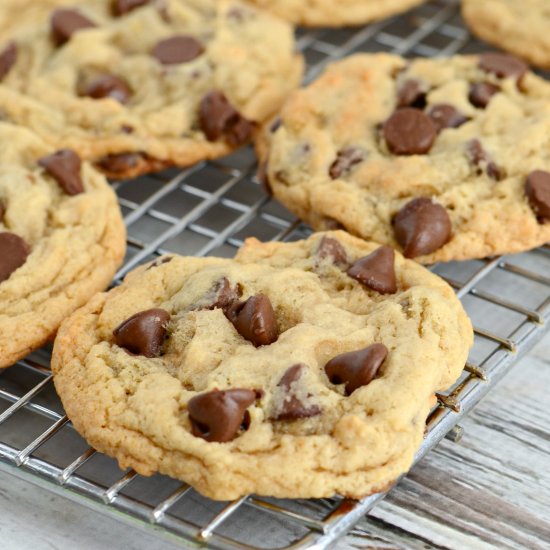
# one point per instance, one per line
(208, 210)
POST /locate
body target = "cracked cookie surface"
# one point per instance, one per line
(171, 82)
(61, 239)
(282, 372)
(431, 156)
(520, 28)
(333, 13)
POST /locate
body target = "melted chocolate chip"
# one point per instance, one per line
(356, 368)
(219, 415)
(292, 408)
(255, 320)
(108, 86)
(446, 116)
(219, 119)
(421, 227)
(333, 249)
(376, 271)
(411, 94)
(480, 158)
(119, 163)
(345, 160)
(8, 57)
(409, 132)
(143, 333)
(160, 261)
(503, 65)
(537, 189)
(177, 50)
(122, 7)
(64, 166)
(223, 296)
(13, 254)
(65, 22)
(481, 94)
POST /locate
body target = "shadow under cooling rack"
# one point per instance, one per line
(210, 209)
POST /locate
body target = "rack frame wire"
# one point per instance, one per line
(209, 209)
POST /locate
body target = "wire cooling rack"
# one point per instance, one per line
(210, 209)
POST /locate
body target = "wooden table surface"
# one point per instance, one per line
(490, 490)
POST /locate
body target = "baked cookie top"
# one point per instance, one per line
(170, 82)
(518, 27)
(446, 159)
(295, 370)
(334, 13)
(61, 239)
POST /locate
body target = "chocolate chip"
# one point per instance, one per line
(223, 296)
(119, 163)
(421, 227)
(143, 333)
(356, 368)
(411, 94)
(65, 22)
(108, 86)
(481, 93)
(64, 166)
(255, 320)
(160, 261)
(409, 132)
(333, 249)
(503, 65)
(480, 158)
(346, 159)
(275, 125)
(219, 119)
(219, 415)
(446, 116)
(122, 7)
(376, 271)
(537, 189)
(292, 408)
(177, 49)
(13, 254)
(333, 225)
(8, 57)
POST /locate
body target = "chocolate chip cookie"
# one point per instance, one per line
(135, 86)
(444, 159)
(518, 27)
(332, 13)
(295, 370)
(61, 239)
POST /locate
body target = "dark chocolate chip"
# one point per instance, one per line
(177, 49)
(8, 57)
(65, 22)
(255, 320)
(122, 7)
(64, 166)
(481, 94)
(219, 415)
(223, 296)
(119, 163)
(219, 119)
(13, 254)
(275, 125)
(333, 249)
(503, 65)
(160, 261)
(421, 227)
(446, 116)
(411, 94)
(108, 86)
(345, 160)
(356, 368)
(376, 271)
(292, 408)
(537, 189)
(409, 132)
(480, 158)
(143, 333)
